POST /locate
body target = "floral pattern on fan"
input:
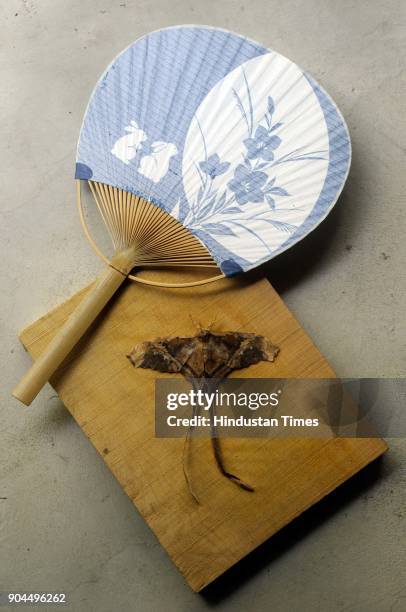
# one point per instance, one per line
(213, 167)
(216, 210)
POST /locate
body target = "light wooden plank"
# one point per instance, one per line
(114, 405)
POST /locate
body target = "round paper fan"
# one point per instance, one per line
(205, 149)
(230, 138)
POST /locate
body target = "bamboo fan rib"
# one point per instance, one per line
(160, 240)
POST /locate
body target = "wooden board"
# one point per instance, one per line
(114, 405)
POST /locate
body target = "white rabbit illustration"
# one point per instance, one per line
(126, 147)
(156, 165)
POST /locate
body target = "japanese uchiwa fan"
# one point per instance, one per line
(201, 148)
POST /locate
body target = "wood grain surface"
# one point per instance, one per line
(114, 405)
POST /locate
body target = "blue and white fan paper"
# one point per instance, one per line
(232, 139)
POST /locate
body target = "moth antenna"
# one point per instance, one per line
(240, 331)
(212, 324)
(195, 324)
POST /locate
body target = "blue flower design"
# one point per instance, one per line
(213, 167)
(262, 145)
(247, 185)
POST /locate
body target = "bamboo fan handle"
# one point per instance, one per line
(79, 321)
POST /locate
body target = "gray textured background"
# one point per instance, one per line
(65, 523)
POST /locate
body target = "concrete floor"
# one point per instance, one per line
(65, 523)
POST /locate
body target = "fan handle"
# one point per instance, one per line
(73, 329)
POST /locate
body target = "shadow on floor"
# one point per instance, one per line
(304, 525)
